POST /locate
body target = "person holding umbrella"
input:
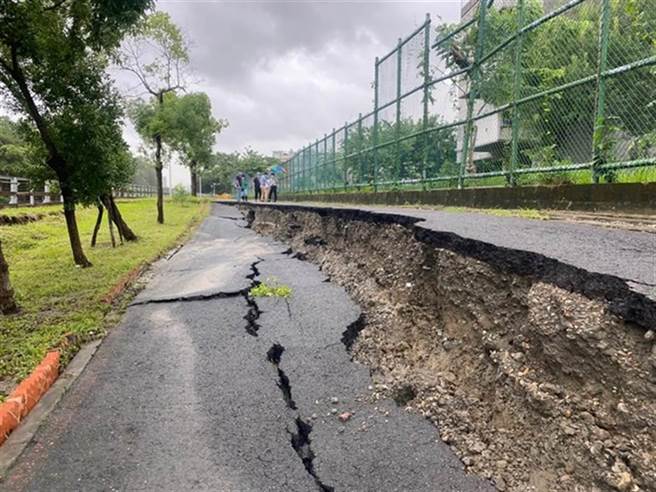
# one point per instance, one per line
(277, 169)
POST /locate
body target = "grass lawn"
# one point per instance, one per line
(39, 209)
(58, 298)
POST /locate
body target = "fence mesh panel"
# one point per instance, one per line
(520, 92)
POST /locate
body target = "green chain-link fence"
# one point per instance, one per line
(521, 92)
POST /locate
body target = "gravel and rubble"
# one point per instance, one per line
(535, 386)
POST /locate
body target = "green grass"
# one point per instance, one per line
(526, 213)
(41, 209)
(271, 289)
(58, 298)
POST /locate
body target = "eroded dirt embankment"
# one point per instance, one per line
(539, 375)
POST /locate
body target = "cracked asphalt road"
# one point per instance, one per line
(202, 388)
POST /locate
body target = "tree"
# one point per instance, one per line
(7, 302)
(192, 131)
(15, 157)
(53, 56)
(223, 167)
(157, 54)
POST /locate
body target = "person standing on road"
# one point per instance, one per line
(256, 187)
(264, 183)
(237, 185)
(273, 188)
(244, 187)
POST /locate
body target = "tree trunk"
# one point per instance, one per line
(55, 160)
(114, 213)
(111, 229)
(194, 179)
(7, 301)
(97, 226)
(71, 223)
(158, 173)
(158, 168)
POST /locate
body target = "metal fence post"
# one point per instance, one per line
(297, 171)
(344, 159)
(517, 83)
(296, 175)
(360, 166)
(325, 159)
(308, 185)
(333, 176)
(305, 165)
(426, 68)
(473, 83)
(599, 134)
(398, 109)
(317, 166)
(375, 131)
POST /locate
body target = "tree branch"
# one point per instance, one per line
(27, 101)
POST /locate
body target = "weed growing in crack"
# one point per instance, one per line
(270, 289)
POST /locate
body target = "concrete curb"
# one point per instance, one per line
(23, 434)
(28, 393)
(124, 282)
(637, 198)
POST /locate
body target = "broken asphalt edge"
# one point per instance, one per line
(615, 292)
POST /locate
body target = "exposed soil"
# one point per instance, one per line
(539, 375)
(26, 218)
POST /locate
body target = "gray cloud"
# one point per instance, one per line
(286, 72)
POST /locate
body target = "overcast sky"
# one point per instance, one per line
(286, 72)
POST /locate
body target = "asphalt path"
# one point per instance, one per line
(203, 388)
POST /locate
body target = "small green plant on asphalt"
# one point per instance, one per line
(271, 289)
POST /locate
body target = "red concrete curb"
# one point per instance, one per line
(122, 284)
(28, 393)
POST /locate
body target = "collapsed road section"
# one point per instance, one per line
(204, 386)
(539, 374)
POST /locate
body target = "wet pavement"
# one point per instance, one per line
(202, 387)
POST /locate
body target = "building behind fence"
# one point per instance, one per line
(519, 92)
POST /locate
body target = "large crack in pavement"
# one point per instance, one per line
(317, 434)
(254, 311)
(251, 316)
(300, 435)
(520, 359)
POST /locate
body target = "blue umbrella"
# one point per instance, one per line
(277, 169)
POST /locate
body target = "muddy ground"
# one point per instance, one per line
(540, 376)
